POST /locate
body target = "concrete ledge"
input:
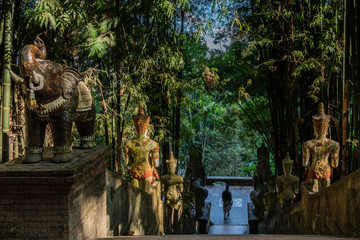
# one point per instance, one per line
(46, 177)
(227, 237)
(55, 201)
(233, 181)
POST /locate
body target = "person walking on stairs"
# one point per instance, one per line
(227, 201)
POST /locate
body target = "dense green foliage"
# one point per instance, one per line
(281, 58)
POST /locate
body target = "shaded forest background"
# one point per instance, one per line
(278, 61)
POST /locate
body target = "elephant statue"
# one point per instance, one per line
(57, 97)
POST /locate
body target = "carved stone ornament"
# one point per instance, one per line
(196, 175)
(319, 149)
(141, 155)
(261, 176)
(52, 95)
(172, 184)
(270, 198)
(195, 168)
(287, 185)
(44, 110)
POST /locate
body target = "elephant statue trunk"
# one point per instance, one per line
(54, 96)
(29, 54)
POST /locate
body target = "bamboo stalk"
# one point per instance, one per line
(179, 92)
(2, 20)
(15, 121)
(1, 54)
(346, 71)
(9, 6)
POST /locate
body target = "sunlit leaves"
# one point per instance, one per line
(210, 76)
(58, 15)
(99, 38)
(45, 13)
(315, 88)
(314, 45)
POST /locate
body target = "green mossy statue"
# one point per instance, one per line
(172, 184)
(287, 185)
(142, 155)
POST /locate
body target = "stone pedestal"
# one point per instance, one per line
(55, 201)
(204, 220)
(252, 219)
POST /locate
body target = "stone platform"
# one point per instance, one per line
(55, 201)
(227, 237)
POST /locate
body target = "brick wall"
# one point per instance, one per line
(55, 201)
(34, 216)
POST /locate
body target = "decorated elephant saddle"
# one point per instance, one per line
(71, 78)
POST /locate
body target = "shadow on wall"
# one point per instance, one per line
(133, 211)
(87, 209)
(334, 210)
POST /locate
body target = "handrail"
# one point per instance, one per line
(234, 181)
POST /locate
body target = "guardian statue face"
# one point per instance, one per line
(141, 122)
(321, 121)
(171, 164)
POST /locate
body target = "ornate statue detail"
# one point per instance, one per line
(320, 148)
(270, 198)
(172, 184)
(201, 194)
(261, 176)
(142, 154)
(188, 198)
(196, 174)
(196, 168)
(53, 95)
(287, 185)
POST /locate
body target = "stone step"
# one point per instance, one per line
(227, 237)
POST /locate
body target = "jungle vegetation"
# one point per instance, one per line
(278, 61)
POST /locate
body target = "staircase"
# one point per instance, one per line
(224, 237)
(334, 211)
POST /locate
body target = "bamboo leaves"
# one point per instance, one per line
(44, 13)
(99, 39)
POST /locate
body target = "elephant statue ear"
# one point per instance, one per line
(70, 79)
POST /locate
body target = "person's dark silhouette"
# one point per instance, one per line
(227, 201)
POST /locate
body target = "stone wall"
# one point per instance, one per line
(130, 209)
(55, 201)
(80, 200)
(87, 208)
(332, 211)
(33, 216)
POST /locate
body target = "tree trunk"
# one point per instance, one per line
(346, 83)
(179, 93)
(120, 132)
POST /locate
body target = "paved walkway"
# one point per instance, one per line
(237, 222)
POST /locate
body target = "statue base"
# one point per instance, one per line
(55, 201)
(252, 219)
(203, 222)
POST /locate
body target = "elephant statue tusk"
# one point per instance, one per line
(17, 79)
(38, 79)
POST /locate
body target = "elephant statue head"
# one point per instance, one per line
(56, 96)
